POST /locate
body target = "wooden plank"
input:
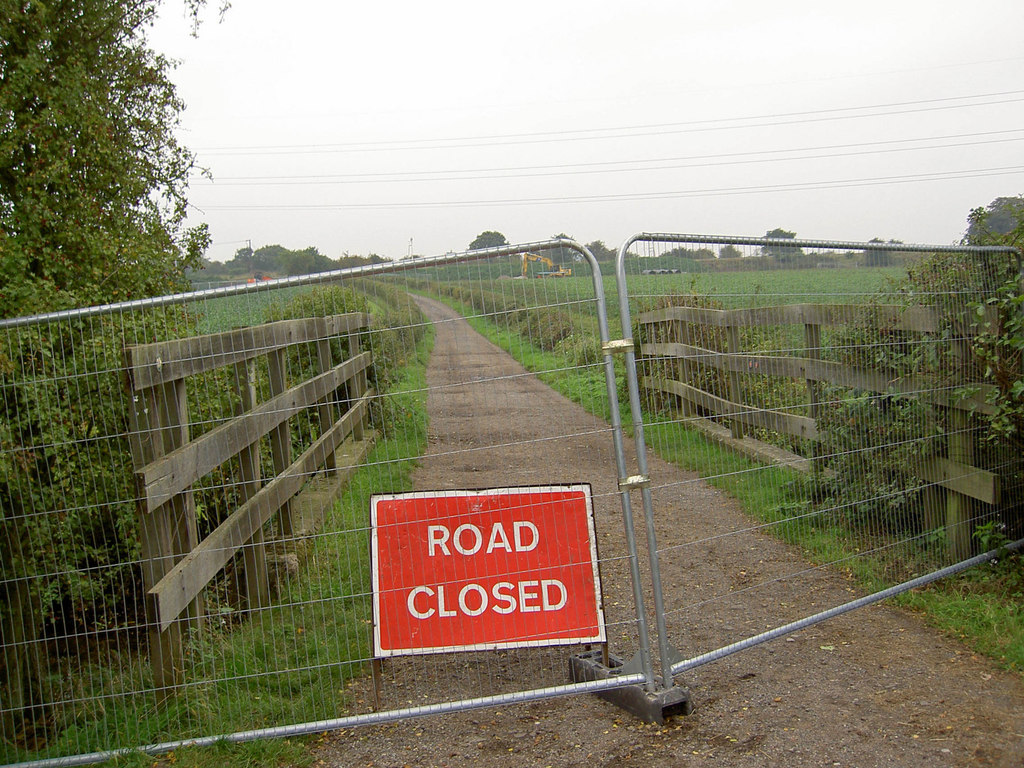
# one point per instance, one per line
(962, 478)
(280, 436)
(751, 447)
(179, 469)
(160, 362)
(183, 582)
(254, 556)
(325, 411)
(784, 366)
(917, 318)
(831, 372)
(785, 423)
(735, 387)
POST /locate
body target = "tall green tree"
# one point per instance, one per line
(488, 239)
(601, 251)
(1001, 222)
(781, 252)
(307, 261)
(1001, 343)
(92, 209)
(92, 177)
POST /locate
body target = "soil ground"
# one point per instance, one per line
(873, 688)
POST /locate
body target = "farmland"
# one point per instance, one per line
(520, 316)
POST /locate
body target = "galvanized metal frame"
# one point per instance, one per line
(655, 678)
(638, 674)
(670, 659)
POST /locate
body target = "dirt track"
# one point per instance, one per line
(873, 688)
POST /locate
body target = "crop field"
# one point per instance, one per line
(728, 289)
(576, 293)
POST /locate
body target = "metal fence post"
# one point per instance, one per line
(623, 473)
(949, 474)
(666, 656)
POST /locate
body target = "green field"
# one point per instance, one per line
(981, 606)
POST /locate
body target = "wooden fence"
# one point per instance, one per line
(168, 464)
(690, 340)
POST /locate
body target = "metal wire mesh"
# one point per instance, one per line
(445, 410)
(815, 414)
(829, 402)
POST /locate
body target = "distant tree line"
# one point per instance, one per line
(270, 261)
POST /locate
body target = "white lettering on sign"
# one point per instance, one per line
(468, 539)
(437, 536)
(473, 599)
(517, 528)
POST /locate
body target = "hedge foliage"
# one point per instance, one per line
(70, 575)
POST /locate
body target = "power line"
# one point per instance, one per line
(652, 129)
(678, 194)
(627, 166)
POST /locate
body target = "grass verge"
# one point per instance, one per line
(982, 607)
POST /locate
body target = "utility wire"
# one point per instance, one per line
(653, 129)
(624, 166)
(678, 194)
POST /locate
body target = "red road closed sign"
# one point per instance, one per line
(478, 570)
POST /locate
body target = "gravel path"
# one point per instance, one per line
(873, 688)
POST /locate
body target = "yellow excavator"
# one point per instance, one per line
(552, 271)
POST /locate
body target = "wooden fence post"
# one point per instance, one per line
(812, 342)
(169, 532)
(280, 438)
(679, 332)
(24, 657)
(735, 387)
(254, 555)
(959, 508)
(326, 410)
(356, 388)
(168, 463)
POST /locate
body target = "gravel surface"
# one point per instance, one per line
(872, 688)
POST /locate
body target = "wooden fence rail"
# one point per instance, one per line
(674, 335)
(169, 463)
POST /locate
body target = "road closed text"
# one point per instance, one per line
(503, 597)
(501, 568)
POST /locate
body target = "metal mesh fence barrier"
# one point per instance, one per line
(215, 505)
(186, 487)
(832, 406)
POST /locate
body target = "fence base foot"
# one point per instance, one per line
(649, 707)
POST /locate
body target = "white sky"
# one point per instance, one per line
(354, 127)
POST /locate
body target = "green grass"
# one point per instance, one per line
(732, 289)
(583, 385)
(982, 607)
(291, 664)
(228, 312)
(788, 286)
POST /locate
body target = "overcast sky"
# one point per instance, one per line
(357, 127)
